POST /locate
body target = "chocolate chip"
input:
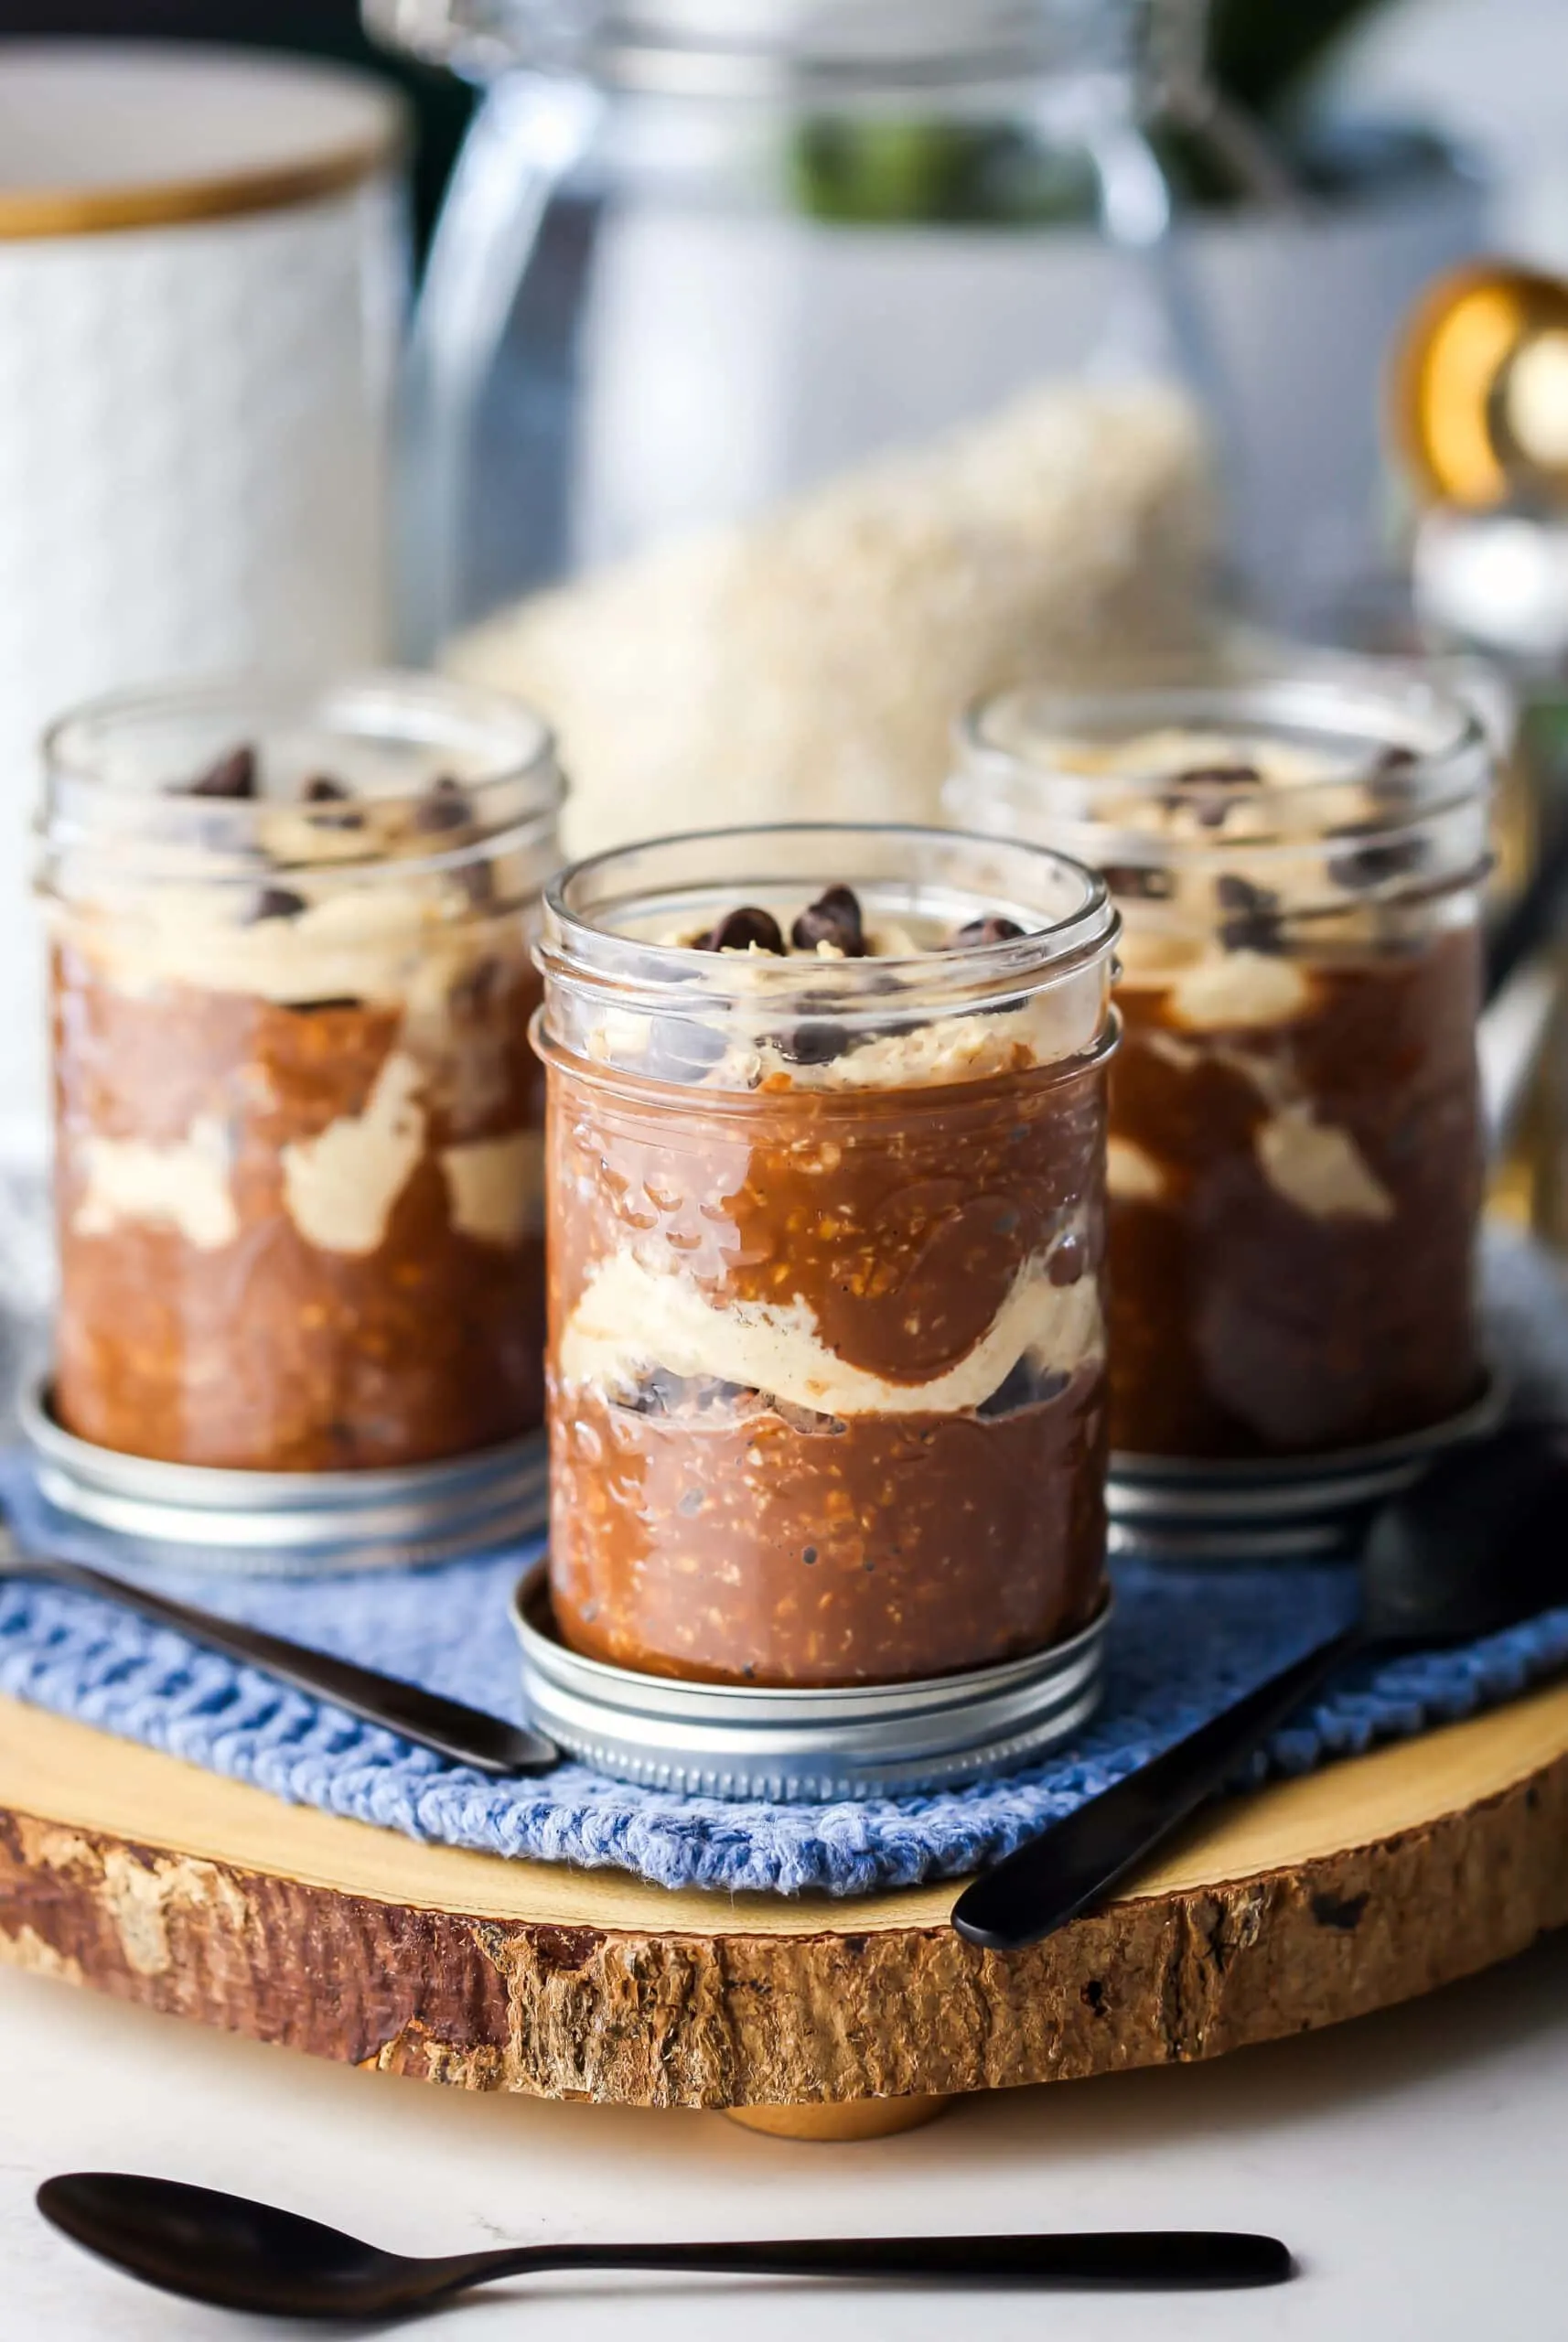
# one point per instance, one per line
(1206, 791)
(1068, 1261)
(478, 989)
(478, 880)
(834, 917)
(1217, 777)
(741, 930)
(274, 902)
(1392, 780)
(815, 1043)
(321, 1007)
(232, 776)
(447, 807)
(322, 790)
(995, 928)
(1252, 920)
(1137, 882)
(1374, 865)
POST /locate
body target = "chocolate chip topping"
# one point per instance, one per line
(742, 929)
(834, 917)
(1390, 780)
(234, 776)
(274, 902)
(1138, 882)
(323, 791)
(478, 880)
(1365, 866)
(816, 1043)
(1069, 1259)
(1206, 791)
(446, 807)
(478, 989)
(993, 928)
(1218, 777)
(1252, 920)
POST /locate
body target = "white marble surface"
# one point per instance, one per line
(1417, 2163)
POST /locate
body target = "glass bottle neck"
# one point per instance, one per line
(894, 52)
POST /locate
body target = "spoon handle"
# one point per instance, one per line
(488, 1743)
(1072, 1864)
(1164, 2258)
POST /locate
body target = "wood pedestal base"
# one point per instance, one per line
(856, 2118)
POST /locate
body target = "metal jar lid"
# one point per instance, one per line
(803, 1745)
(1191, 1511)
(291, 1524)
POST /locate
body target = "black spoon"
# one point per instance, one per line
(486, 1741)
(239, 2255)
(1479, 1544)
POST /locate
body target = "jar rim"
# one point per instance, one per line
(712, 48)
(1443, 757)
(506, 752)
(302, 694)
(618, 985)
(581, 948)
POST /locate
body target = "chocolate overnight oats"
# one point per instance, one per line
(298, 1123)
(825, 1183)
(1295, 1131)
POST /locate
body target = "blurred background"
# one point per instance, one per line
(751, 382)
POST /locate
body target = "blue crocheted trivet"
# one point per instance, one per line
(1183, 1645)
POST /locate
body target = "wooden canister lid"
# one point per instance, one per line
(97, 136)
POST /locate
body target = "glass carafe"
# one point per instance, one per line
(787, 373)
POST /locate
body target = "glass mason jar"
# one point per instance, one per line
(826, 1161)
(786, 373)
(298, 1124)
(1295, 1145)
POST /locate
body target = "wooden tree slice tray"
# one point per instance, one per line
(1306, 1903)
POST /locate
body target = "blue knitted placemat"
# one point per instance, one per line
(1184, 1644)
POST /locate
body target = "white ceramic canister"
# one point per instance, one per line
(202, 272)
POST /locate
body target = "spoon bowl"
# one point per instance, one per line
(225, 2249)
(1475, 1545)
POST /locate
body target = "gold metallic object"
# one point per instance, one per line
(1478, 389)
(86, 211)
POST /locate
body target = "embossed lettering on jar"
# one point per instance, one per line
(1295, 1127)
(826, 1220)
(298, 1124)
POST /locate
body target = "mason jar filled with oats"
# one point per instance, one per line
(1295, 1134)
(825, 1192)
(298, 1124)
